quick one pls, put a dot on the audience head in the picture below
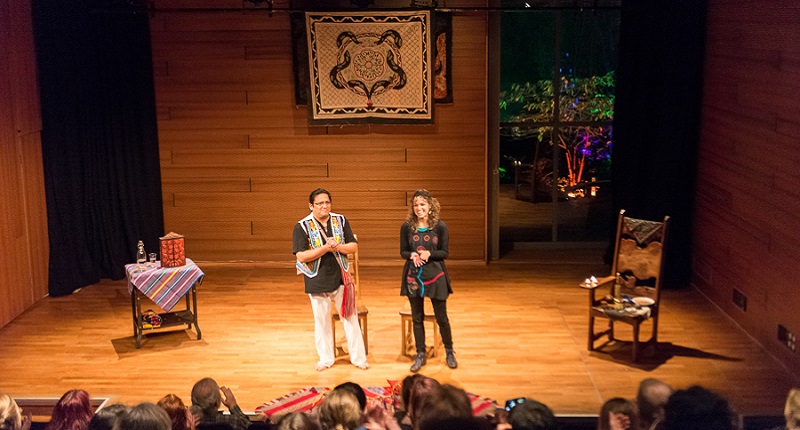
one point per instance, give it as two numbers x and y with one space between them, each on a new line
72 412
624 412
461 423
296 421
214 426
419 391
146 416
408 383
650 399
205 394
792 409
340 411
697 408
10 413
356 390
443 403
532 415
177 411
108 418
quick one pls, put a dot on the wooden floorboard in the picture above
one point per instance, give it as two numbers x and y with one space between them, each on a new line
519 328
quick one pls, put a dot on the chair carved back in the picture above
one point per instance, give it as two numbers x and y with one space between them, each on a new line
639 257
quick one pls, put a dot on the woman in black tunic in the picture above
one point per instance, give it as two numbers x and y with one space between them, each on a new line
424 246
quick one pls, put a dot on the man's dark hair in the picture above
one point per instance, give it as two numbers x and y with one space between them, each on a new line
145 416
108 417
697 408
356 390
650 399
532 415
443 402
317 192
205 394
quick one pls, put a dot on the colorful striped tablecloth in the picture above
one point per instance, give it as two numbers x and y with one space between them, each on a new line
163 285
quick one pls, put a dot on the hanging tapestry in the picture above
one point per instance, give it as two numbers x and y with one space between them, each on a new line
370 67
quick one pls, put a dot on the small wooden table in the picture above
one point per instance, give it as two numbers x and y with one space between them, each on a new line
165 286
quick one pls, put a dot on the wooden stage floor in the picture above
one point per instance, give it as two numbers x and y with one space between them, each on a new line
519 327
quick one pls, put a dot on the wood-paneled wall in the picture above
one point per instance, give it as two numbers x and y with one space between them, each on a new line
747 227
23 215
238 158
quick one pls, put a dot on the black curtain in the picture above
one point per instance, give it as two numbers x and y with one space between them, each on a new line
99 139
657 118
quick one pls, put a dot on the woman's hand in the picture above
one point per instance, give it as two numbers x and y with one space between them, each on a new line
377 418
192 420
424 256
617 421
417 259
27 419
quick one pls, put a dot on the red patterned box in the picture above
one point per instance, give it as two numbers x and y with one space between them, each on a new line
173 253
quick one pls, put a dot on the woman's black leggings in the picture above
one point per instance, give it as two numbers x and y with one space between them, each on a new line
418 315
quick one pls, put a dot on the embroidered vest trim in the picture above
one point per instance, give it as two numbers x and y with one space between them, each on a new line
315 240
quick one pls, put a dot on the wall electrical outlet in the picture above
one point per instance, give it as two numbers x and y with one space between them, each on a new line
740 300
787 338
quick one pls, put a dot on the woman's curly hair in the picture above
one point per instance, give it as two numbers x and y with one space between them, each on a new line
433 215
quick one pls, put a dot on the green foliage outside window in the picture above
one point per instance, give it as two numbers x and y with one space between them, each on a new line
586 100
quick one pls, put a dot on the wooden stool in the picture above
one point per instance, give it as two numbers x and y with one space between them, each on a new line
362 321
408 347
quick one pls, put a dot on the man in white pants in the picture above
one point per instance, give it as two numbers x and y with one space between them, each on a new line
318 241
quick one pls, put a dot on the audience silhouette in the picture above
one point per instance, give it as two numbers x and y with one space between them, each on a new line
422 404
650 399
698 408
72 412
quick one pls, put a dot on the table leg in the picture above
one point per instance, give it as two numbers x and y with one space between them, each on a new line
194 312
137 318
191 311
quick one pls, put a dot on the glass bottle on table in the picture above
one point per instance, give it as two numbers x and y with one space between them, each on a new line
141 255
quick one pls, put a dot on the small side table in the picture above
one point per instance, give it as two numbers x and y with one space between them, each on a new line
165 286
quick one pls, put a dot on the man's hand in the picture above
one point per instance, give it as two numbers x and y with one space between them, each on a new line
227 397
332 244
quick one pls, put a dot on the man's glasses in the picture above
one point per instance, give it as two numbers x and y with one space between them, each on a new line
321 204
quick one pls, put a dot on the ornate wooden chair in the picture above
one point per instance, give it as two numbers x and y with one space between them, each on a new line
634 288
362 311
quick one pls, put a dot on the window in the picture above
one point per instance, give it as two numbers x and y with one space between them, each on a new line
556 157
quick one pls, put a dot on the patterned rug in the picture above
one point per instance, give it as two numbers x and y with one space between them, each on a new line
308 400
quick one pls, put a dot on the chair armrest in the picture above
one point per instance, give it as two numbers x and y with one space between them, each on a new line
601 282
